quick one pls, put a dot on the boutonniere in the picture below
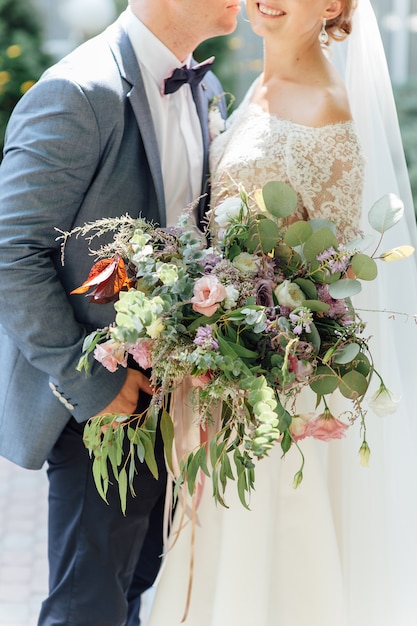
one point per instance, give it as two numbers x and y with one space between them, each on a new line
217 123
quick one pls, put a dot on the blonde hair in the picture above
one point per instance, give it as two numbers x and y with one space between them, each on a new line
340 27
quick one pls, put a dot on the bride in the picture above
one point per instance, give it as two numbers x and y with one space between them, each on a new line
340 550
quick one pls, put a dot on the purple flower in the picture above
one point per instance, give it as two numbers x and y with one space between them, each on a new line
302 321
337 309
263 292
204 338
326 254
210 262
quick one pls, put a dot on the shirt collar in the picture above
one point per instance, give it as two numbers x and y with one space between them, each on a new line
150 52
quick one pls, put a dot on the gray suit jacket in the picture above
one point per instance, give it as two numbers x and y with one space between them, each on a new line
80 146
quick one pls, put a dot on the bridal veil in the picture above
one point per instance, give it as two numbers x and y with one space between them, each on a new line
383 533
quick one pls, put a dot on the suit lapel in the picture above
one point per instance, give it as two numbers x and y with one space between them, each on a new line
129 70
201 99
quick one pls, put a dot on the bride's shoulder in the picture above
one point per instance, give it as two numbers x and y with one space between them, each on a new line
332 102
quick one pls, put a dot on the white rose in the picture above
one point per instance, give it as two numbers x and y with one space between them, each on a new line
227 210
289 295
246 263
383 402
231 297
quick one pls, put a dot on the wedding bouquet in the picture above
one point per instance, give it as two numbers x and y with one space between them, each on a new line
252 319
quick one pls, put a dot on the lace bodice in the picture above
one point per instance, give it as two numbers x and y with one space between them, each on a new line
323 165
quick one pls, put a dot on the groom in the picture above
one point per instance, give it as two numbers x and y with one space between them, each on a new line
95 137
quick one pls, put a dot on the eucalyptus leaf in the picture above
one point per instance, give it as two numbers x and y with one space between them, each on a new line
314 337
344 288
386 212
259 199
347 354
325 380
353 385
149 453
362 364
364 267
263 235
316 305
321 240
397 254
321 222
279 198
298 233
308 287
242 487
123 489
361 243
167 432
98 477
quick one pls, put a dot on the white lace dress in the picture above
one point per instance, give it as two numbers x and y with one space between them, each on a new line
323 165
315 556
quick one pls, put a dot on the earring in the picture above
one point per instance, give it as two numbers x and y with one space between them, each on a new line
323 35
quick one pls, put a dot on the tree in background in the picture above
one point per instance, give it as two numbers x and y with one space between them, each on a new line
22 60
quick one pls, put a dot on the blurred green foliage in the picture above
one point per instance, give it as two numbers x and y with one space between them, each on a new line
22 60
406 101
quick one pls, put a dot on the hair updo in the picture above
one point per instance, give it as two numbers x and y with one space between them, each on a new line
340 27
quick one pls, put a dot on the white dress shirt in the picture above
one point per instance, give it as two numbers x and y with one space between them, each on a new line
175 119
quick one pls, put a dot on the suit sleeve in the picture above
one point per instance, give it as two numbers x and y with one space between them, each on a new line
51 156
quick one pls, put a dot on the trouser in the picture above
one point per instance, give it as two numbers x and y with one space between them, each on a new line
100 560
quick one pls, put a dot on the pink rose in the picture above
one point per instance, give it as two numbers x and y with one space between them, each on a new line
208 293
326 427
141 353
110 354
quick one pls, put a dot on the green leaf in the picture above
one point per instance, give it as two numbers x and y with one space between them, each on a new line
314 337
287 257
98 478
123 489
286 441
263 235
386 212
321 240
344 288
242 487
353 385
316 305
325 380
308 287
347 354
364 267
397 254
362 364
361 243
167 432
321 222
149 453
298 233
193 466
279 198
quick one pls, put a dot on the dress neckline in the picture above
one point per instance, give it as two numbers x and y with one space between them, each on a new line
254 105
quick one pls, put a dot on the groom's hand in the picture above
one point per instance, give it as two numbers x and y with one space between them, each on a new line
126 401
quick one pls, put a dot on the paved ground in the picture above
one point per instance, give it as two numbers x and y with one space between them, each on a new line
23 538
23 567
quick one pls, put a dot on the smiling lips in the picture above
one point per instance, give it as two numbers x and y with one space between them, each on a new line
271 12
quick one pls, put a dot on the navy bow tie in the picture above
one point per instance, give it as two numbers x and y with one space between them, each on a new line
182 75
